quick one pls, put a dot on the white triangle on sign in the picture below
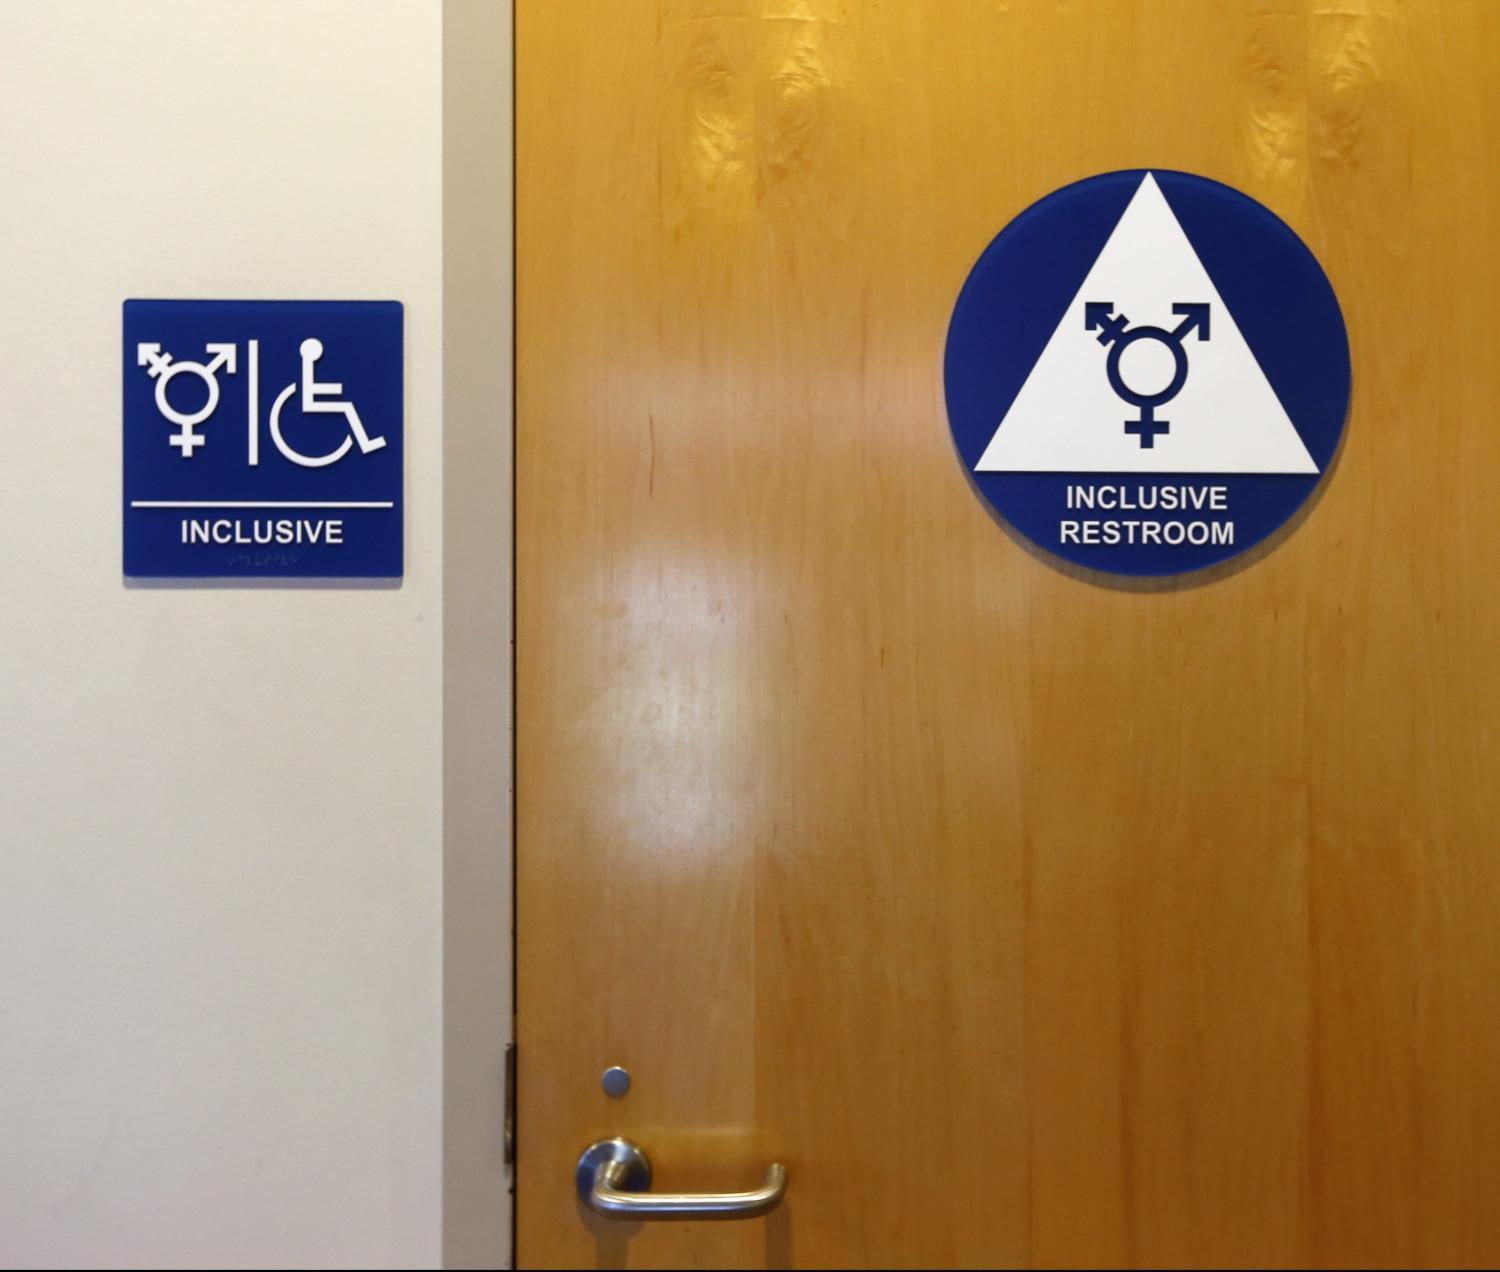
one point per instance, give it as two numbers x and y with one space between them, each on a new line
1226 418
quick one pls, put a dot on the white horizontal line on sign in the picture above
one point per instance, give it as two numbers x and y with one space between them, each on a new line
259 503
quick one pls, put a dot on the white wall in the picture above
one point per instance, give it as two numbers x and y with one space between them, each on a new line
220 807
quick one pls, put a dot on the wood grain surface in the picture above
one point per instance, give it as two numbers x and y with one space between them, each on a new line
1028 920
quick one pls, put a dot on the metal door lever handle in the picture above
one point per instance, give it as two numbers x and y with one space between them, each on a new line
614 1178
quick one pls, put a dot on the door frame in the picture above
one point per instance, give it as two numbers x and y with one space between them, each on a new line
478 439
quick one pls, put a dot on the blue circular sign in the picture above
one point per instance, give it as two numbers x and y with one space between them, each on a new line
1147 373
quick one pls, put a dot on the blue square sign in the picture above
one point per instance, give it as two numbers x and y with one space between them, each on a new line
263 438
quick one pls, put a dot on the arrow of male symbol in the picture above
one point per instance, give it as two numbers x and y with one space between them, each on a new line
1117 334
150 355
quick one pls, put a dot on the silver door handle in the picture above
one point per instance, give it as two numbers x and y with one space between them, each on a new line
614 1178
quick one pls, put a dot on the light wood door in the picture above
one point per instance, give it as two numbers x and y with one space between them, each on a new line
1028 920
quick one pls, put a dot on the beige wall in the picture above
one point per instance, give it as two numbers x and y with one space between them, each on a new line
221 808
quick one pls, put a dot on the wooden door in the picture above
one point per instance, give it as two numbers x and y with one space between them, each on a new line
1026 918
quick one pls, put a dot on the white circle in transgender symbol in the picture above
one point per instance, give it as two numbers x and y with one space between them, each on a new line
186 419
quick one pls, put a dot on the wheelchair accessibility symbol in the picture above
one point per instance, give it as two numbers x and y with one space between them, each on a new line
313 398
315 402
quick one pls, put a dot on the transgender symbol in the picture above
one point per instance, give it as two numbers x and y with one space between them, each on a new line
1116 332
161 368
